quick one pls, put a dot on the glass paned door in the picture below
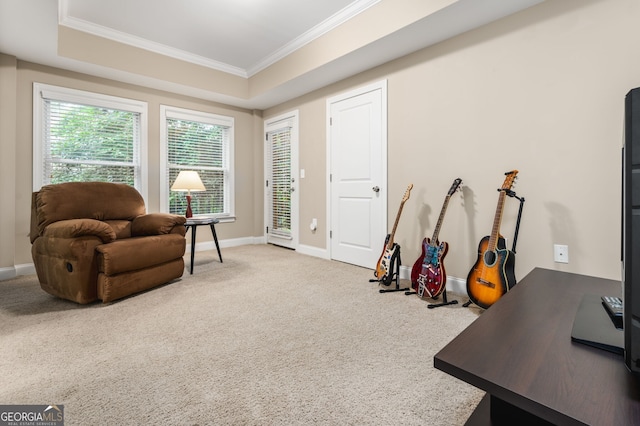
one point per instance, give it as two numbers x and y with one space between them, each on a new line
280 186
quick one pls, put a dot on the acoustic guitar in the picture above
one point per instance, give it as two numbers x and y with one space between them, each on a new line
492 275
386 262
428 276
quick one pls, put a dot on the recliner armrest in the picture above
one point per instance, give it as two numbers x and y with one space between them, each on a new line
156 224
74 228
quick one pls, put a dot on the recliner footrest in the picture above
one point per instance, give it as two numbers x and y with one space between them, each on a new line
131 254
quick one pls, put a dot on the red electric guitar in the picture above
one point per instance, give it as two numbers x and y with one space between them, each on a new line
492 275
428 277
386 263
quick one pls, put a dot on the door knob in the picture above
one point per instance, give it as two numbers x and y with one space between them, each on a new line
376 189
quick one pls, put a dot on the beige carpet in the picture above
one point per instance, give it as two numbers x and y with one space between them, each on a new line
269 337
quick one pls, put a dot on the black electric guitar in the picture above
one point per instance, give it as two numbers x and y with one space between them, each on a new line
492 275
428 277
386 263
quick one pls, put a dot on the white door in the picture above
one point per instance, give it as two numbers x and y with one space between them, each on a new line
358 177
281 198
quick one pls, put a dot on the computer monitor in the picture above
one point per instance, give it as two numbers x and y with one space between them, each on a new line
630 253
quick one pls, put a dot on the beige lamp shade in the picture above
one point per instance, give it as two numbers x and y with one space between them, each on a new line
188 180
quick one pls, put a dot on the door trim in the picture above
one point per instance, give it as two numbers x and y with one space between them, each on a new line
293 118
379 85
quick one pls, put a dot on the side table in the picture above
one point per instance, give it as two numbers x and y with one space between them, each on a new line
193 223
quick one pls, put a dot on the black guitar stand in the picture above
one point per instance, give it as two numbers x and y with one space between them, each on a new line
395 275
444 302
511 194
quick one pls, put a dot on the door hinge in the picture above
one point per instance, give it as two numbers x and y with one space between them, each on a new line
330 234
330 121
267 183
266 136
330 177
267 229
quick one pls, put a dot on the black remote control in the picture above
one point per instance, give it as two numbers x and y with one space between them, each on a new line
613 306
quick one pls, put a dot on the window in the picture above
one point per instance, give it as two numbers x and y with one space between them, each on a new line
193 140
81 136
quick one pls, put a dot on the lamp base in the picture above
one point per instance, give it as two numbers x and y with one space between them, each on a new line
189 213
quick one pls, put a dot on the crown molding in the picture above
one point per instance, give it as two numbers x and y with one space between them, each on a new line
319 30
139 42
334 21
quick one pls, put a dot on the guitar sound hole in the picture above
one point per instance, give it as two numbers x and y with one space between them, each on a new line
489 257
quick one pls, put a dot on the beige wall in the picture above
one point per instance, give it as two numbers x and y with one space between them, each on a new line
19 76
541 91
8 93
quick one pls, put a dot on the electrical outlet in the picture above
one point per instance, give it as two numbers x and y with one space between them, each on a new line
560 253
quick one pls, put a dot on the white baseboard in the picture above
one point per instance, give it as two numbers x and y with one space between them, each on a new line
302 249
25 269
405 273
7 273
454 285
15 271
211 245
457 286
313 251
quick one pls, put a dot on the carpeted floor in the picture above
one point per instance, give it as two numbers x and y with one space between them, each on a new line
269 337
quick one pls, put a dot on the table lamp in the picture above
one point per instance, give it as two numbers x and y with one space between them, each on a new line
188 180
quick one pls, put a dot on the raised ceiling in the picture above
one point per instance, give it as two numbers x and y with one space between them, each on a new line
237 37
241 37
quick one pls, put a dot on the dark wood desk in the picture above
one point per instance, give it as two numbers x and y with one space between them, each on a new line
193 223
521 353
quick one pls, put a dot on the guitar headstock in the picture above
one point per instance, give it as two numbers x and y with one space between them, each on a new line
454 186
407 193
509 180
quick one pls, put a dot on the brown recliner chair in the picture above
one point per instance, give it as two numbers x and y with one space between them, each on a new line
93 240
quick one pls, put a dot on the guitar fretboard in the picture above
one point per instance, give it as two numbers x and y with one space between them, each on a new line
395 226
405 197
495 231
436 231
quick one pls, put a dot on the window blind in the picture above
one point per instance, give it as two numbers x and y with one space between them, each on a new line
89 143
280 160
199 146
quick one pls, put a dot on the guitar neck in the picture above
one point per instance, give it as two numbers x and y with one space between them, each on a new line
495 231
434 238
395 226
405 197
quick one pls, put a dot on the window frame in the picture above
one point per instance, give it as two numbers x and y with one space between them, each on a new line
172 112
43 91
